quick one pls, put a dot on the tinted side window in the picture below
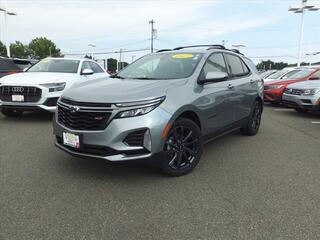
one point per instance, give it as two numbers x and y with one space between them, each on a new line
215 63
95 67
236 65
86 65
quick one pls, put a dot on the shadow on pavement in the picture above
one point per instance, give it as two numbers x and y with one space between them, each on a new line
29 117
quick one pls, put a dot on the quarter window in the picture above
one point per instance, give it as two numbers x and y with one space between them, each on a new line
215 63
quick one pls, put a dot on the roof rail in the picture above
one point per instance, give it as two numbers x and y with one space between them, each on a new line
205 45
235 51
164 50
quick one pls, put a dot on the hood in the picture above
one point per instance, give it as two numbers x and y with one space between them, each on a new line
283 82
306 84
114 90
32 78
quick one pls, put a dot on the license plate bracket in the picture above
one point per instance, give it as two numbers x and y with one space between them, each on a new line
71 140
17 98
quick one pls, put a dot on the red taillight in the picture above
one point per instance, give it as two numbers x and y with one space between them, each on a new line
12 72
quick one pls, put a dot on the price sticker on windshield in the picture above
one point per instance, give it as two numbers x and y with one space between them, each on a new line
183 55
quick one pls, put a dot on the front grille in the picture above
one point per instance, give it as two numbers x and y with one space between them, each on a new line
31 94
135 138
294 91
80 120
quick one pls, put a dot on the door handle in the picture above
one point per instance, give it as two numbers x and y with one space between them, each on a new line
230 86
252 81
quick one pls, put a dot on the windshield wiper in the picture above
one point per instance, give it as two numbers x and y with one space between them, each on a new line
116 76
147 78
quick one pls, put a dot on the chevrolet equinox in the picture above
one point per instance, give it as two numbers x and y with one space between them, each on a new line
164 106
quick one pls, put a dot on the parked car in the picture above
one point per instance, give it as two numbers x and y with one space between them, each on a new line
267 73
14 65
41 85
282 74
273 90
303 96
164 104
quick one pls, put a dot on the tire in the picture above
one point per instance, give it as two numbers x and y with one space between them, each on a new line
183 148
253 125
300 110
11 113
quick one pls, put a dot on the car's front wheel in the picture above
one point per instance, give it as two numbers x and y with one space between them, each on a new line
11 113
183 148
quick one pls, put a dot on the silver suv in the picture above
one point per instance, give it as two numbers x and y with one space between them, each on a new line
303 96
164 106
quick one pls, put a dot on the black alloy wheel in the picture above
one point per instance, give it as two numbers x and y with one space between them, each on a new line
254 122
183 148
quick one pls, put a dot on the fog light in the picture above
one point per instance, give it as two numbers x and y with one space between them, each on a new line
147 140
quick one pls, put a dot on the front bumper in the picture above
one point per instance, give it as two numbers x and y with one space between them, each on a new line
311 103
109 143
273 95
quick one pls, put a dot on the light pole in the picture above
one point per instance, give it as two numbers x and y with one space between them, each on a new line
304 7
153 31
92 47
6 12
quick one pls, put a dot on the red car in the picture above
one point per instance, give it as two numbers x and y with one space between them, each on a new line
273 90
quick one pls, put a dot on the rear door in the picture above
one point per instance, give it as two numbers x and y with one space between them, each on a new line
244 84
215 98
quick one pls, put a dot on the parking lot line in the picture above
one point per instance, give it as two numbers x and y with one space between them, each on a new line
282 109
315 122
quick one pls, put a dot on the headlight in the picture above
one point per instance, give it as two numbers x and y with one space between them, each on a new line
55 87
310 91
140 108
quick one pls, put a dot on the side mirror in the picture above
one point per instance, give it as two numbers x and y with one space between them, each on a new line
86 71
314 78
214 77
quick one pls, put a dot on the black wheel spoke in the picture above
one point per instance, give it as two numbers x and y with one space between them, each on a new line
190 151
191 142
189 135
179 160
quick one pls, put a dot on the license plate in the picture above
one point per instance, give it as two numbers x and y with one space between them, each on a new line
71 140
17 98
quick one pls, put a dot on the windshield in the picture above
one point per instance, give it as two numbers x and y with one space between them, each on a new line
278 74
162 66
291 73
302 74
56 65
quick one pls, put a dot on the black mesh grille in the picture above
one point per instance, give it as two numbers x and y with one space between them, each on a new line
83 120
31 94
135 138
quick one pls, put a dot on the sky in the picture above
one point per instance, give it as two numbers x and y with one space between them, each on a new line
265 27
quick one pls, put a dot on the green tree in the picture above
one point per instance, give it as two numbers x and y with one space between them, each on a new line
18 50
112 64
266 65
42 48
3 50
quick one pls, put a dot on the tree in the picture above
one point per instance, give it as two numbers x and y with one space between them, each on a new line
3 50
271 65
18 50
42 48
112 64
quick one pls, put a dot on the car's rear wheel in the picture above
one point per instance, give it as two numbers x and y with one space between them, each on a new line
11 113
253 125
183 148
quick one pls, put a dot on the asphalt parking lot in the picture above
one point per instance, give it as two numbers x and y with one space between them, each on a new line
263 187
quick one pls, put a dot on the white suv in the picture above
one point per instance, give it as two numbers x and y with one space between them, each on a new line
41 85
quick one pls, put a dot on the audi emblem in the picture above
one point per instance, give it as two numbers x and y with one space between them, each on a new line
74 109
17 89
